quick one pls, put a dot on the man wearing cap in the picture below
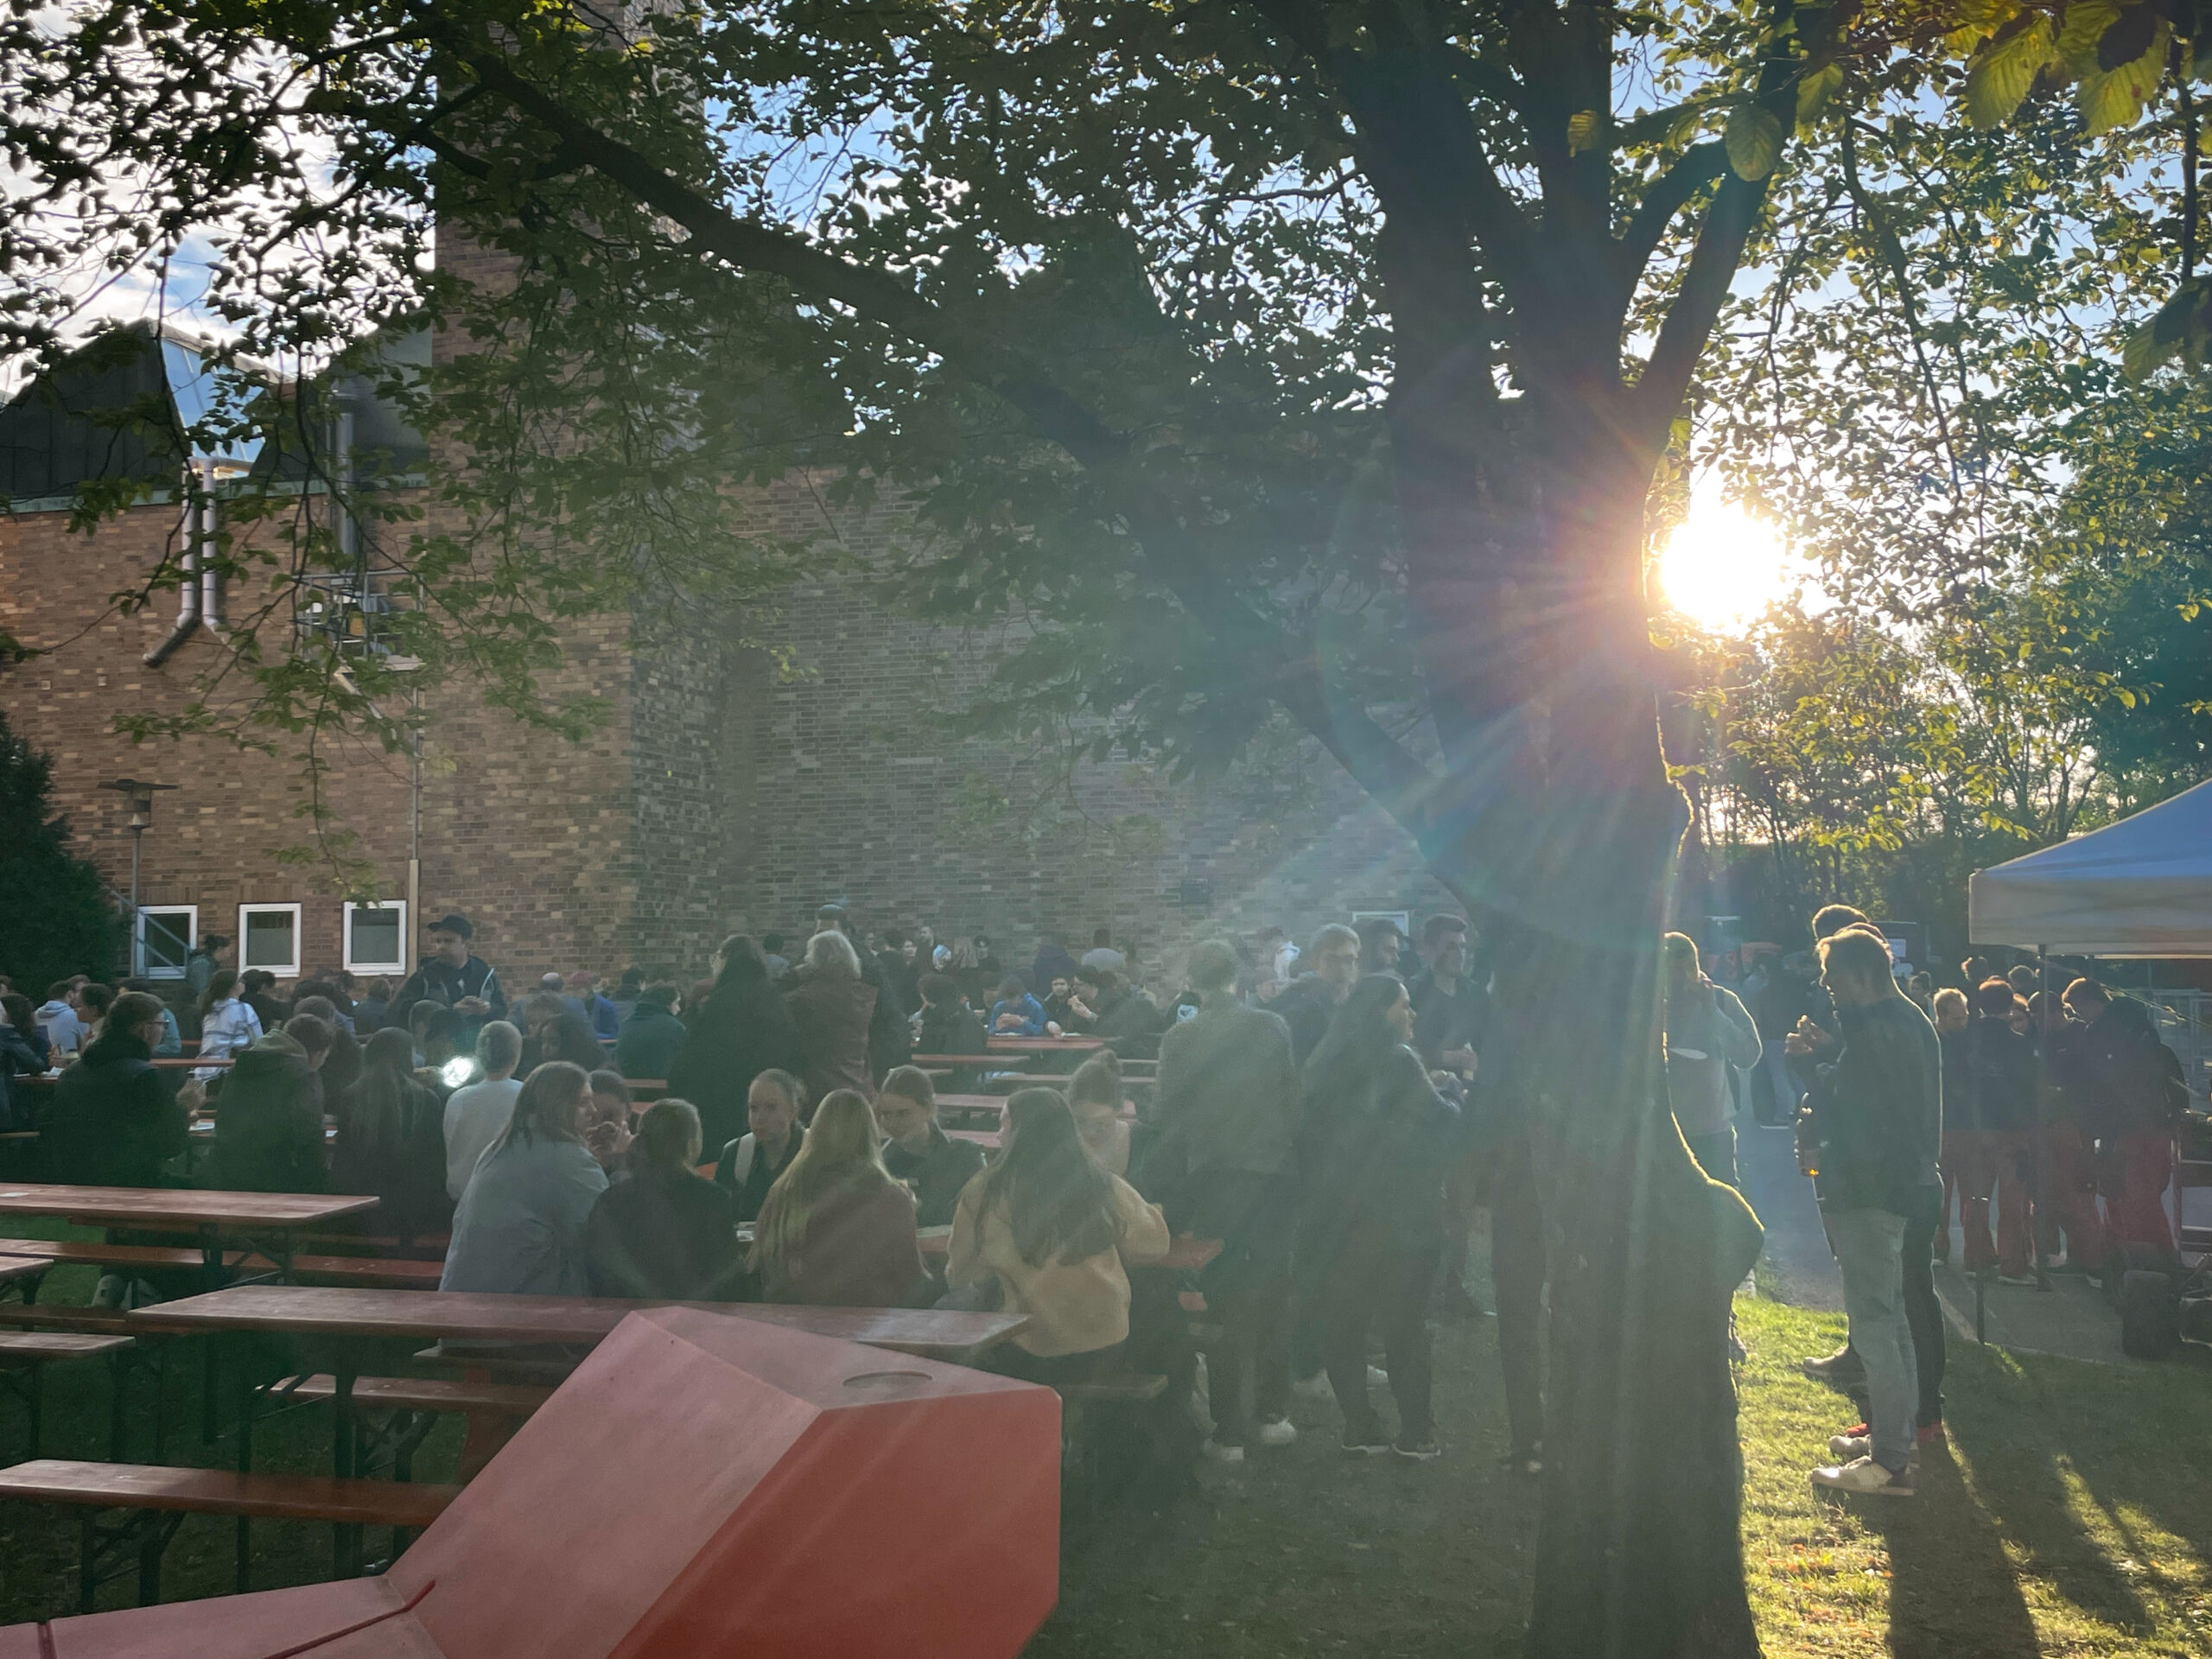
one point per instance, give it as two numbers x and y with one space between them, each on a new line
453 977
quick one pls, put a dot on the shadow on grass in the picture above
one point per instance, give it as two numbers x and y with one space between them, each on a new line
1952 1591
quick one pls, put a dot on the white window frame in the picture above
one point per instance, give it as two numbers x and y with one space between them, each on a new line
138 940
358 966
289 970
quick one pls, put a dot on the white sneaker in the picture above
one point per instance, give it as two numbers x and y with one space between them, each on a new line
1315 1387
1280 1432
1377 1377
1866 1477
1220 1453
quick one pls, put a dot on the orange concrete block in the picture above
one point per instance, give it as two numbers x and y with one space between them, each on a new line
709 1485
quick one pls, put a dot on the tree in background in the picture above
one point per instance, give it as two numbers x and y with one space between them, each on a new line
57 917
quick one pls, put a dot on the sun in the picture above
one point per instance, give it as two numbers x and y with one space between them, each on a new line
1722 566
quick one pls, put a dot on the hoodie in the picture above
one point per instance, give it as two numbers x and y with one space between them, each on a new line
269 1123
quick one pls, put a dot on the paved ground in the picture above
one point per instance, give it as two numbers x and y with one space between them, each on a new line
2072 1318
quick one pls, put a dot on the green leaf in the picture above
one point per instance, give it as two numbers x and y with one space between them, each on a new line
1582 131
2126 38
1814 90
2004 70
2145 351
1753 136
2115 97
2084 26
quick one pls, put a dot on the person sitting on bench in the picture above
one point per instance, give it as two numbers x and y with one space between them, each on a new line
1051 1227
520 1227
666 1230
916 1151
750 1164
268 1118
392 1143
836 1229
1095 1097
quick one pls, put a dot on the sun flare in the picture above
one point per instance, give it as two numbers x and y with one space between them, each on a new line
1722 566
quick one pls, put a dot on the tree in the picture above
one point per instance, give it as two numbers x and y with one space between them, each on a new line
1262 355
57 916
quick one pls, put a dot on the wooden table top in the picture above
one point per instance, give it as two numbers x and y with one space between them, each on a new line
1046 1044
165 1206
12 1268
472 1316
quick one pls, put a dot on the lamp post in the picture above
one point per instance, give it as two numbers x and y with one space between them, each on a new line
141 796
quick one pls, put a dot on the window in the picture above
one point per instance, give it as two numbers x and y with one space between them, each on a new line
166 936
269 938
376 939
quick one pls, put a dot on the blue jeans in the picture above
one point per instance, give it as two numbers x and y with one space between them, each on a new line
1869 1246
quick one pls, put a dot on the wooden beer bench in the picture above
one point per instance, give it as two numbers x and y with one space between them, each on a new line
157 1499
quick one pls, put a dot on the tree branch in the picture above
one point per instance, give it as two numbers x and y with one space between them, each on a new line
1383 766
1670 193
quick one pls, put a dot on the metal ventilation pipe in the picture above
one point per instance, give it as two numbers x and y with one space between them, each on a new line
211 578
192 588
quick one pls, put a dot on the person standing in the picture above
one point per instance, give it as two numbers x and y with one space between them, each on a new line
453 976
1874 1129
1311 1000
831 1006
2002 1090
743 1029
1227 1102
2132 1087
1708 1030
227 1025
1376 1141
1965 1161
200 967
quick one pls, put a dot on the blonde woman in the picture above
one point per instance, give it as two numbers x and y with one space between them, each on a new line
1052 1228
836 1229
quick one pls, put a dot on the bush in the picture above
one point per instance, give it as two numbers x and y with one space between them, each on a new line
56 916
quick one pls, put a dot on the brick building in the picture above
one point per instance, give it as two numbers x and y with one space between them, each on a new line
730 784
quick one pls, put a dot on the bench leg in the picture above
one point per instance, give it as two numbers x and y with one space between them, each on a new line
88 1555
153 1539
35 1400
118 1383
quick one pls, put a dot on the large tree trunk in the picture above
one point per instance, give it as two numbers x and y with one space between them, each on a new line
1556 820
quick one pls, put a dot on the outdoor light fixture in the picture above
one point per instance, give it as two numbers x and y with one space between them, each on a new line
141 795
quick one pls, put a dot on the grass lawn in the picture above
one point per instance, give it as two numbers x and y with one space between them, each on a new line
2071 1515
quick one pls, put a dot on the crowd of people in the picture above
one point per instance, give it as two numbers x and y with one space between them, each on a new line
1321 1110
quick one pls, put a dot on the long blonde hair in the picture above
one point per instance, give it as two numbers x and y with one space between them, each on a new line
840 1154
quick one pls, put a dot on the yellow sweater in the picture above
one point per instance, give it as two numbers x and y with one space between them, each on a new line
1073 1306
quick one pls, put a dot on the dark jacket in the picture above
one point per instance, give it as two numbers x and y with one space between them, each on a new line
890 1038
1377 1162
406 1175
1878 1110
1306 1007
651 1037
22 1054
664 1232
742 1029
952 1028
831 1014
760 1173
269 1123
438 981
859 1251
2128 1082
2001 1083
1131 1026
935 1177
1227 1091
1051 961
1962 1098
112 1121
1454 1019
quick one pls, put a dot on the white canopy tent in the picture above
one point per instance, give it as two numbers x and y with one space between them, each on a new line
2140 887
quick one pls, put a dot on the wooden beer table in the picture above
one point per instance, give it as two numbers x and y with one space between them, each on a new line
352 1321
